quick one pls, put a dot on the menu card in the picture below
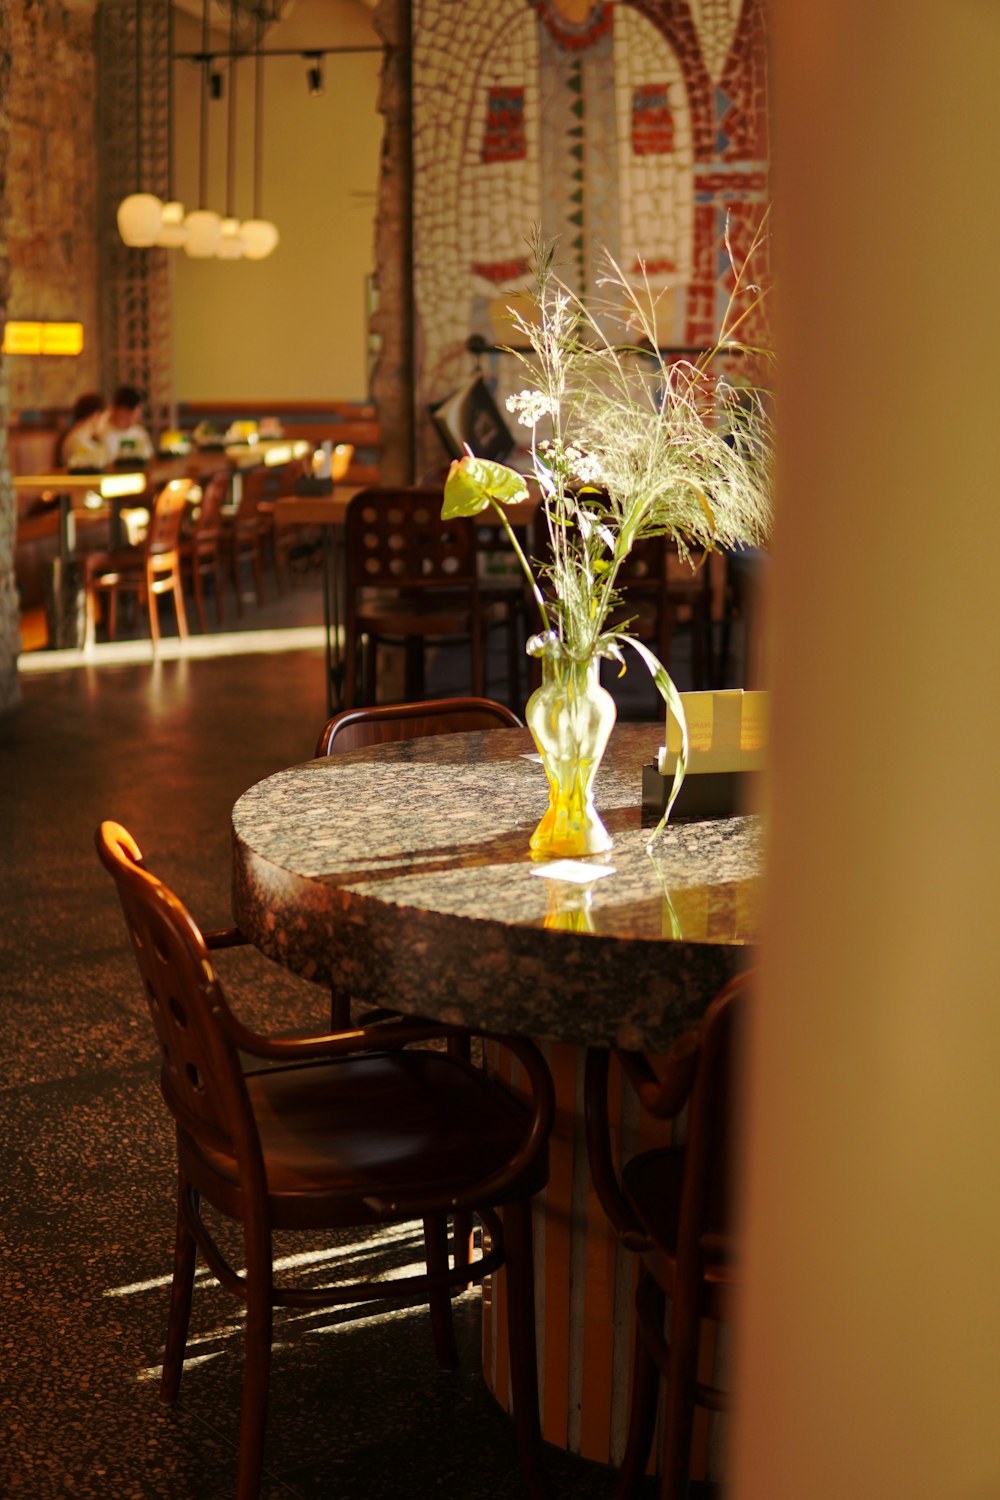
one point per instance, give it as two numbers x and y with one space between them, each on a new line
727 731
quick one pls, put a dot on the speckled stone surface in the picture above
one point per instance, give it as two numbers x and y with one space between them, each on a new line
402 875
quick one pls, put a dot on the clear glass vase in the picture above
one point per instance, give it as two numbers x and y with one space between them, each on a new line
571 717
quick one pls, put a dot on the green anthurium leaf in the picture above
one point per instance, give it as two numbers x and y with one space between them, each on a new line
672 698
473 483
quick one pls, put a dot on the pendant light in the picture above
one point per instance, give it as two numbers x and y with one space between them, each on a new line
259 235
140 215
173 231
204 227
231 241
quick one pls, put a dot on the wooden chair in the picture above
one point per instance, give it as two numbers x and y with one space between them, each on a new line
671 1206
147 571
356 727
275 540
411 578
243 536
349 1129
201 550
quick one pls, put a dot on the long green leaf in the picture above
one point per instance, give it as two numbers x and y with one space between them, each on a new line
672 698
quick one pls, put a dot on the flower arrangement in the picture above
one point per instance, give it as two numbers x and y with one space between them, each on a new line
626 443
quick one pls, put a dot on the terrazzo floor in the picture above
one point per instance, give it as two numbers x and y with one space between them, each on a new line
359 1409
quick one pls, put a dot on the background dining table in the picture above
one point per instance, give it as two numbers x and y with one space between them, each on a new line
400 876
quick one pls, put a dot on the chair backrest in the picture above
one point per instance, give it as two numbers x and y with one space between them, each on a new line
200 1072
709 1151
356 727
395 538
697 1073
256 486
214 495
165 521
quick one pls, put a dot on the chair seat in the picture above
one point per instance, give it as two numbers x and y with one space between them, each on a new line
652 1183
122 560
335 1133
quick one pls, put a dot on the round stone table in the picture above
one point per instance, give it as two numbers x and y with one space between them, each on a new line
400 875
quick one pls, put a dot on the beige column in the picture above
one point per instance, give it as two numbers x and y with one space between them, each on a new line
870 1363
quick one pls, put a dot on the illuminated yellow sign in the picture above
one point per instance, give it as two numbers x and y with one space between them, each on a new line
42 338
62 338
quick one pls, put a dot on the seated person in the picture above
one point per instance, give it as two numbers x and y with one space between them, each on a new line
124 436
81 447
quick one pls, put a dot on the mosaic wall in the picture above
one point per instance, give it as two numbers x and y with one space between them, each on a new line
638 128
51 193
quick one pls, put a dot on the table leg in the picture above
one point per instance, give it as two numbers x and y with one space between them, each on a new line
67 528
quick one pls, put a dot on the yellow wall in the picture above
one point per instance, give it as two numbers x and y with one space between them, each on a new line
293 326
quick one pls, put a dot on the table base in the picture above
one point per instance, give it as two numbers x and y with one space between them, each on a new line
584 1289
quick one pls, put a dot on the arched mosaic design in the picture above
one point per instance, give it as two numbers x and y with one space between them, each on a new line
636 127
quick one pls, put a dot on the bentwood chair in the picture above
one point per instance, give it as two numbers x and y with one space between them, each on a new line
147 571
201 550
273 537
672 1207
358 1128
379 724
411 578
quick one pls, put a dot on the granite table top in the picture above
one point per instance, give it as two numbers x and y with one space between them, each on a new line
401 875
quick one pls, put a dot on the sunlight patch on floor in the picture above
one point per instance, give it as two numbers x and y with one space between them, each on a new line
123 653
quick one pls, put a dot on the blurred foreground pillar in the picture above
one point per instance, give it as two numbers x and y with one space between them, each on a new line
870 1343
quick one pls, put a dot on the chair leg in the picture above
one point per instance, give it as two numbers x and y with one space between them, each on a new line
181 1288
369 663
645 1390
350 684
153 610
413 668
178 593
685 1339
198 589
217 577
237 571
257 1368
257 558
90 618
439 1298
519 1251
112 612
462 1241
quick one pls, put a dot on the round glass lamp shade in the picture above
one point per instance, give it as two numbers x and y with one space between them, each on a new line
204 230
173 230
231 245
139 218
259 238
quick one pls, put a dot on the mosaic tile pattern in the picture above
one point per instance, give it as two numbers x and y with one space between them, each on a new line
640 128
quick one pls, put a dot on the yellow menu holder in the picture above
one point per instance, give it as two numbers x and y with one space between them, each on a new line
727 744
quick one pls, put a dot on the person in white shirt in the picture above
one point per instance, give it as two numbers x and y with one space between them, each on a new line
123 433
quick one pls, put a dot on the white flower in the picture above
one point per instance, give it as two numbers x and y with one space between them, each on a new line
588 468
530 406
